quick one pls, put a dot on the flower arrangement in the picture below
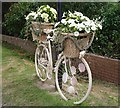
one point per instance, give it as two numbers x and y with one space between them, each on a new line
37 21
77 23
45 14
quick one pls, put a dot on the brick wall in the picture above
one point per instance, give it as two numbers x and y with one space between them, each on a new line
102 68
24 44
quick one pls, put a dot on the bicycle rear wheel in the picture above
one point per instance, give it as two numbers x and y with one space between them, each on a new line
76 79
42 62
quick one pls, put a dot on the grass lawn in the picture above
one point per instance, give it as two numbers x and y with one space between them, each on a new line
21 87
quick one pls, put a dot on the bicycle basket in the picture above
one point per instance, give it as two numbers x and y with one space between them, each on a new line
72 45
37 30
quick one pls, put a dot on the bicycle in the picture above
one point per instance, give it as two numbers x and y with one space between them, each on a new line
76 74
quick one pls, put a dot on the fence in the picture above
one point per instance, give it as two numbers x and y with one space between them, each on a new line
103 68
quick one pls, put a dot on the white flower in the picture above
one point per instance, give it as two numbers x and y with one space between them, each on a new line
76 22
35 16
85 18
93 28
55 16
46 19
80 25
80 29
71 14
64 21
44 9
63 14
73 25
96 38
38 13
98 23
71 21
87 23
41 7
87 30
78 13
30 14
48 6
44 15
76 33
27 18
39 10
100 26
53 11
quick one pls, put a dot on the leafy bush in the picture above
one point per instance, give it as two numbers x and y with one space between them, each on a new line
15 18
89 9
106 42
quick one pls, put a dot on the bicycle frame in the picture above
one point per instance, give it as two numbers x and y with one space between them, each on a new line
62 58
50 54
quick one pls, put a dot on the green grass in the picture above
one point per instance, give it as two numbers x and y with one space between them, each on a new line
19 82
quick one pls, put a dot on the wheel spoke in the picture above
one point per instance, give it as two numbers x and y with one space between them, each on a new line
41 62
76 80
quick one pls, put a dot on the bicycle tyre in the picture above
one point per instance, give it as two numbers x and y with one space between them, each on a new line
66 83
42 62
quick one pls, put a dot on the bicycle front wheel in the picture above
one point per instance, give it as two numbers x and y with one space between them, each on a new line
76 79
42 62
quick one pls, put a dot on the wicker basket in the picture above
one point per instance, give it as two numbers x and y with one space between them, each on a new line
39 27
73 46
46 26
70 50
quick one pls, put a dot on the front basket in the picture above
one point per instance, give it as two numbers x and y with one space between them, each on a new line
38 28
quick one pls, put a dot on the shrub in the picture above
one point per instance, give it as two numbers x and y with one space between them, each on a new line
15 18
106 42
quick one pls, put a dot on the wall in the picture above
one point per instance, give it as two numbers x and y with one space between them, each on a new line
24 44
102 68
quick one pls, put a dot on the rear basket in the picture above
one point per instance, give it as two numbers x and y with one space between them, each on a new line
72 46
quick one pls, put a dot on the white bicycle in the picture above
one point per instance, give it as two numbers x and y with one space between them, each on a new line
76 77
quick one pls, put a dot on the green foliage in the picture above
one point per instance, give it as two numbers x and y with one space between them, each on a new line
89 9
106 42
15 18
